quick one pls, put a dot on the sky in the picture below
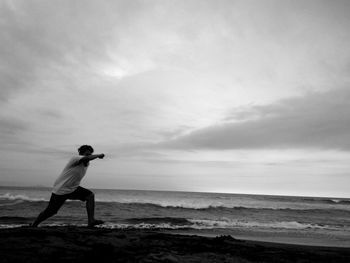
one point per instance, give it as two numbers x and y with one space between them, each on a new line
187 95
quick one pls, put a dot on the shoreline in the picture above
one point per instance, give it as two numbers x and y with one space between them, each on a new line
277 236
287 238
79 244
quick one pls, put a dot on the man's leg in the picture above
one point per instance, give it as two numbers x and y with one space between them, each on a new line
41 217
54 205
90 208
86 195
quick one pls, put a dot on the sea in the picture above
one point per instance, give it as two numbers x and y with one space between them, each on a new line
320 221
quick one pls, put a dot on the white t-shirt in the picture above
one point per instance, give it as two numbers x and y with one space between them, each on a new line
70 177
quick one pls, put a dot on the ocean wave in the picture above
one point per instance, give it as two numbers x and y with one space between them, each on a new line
334 204
2 226
329 204
206 224
335 201
224 209
160 220
176 223
209 224
182 223
11 197
340 202
188 224
15 202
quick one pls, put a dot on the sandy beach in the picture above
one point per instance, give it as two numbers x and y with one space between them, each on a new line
79 244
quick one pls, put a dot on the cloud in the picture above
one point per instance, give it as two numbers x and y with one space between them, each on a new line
10 134
40 40
316 120
75 43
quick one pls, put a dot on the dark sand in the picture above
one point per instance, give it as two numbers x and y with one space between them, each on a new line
78 244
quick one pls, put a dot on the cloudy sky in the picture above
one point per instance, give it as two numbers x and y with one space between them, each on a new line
193 95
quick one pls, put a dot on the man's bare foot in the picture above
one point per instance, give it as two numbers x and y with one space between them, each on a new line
95 223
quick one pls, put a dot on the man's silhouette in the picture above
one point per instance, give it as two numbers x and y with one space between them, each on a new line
67 187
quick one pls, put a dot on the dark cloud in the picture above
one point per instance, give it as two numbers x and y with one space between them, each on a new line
316 120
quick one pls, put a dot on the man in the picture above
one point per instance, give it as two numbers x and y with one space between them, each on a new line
67 187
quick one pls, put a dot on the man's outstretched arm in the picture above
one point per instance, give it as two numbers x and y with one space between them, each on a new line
91 157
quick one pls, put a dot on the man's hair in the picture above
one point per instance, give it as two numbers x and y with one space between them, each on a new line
84 148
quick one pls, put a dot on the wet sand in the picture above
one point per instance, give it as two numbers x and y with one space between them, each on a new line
79 244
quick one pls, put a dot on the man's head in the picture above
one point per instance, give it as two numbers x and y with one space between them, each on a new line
85 150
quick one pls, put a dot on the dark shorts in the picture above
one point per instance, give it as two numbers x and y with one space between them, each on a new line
56 201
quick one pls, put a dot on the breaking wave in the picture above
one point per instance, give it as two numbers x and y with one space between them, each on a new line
11 197
338 205
183 223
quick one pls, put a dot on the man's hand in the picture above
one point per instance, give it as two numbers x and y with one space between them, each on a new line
101 156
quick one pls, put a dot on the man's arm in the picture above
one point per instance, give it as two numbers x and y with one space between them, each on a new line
91 157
